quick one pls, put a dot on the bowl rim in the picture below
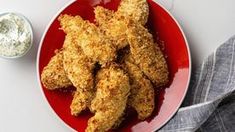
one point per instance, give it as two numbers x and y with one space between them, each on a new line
71 2
31 35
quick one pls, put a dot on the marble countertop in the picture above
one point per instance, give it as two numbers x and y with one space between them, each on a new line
207 24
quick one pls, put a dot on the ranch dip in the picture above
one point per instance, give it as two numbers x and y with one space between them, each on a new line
15 35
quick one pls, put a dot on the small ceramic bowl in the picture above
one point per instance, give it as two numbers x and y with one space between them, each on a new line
29 25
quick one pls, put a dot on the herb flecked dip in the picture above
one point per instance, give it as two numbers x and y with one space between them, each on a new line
15 35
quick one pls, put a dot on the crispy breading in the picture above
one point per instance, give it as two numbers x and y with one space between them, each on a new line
53 75
111 98
142 97
146 54
81 101
114 23
79 69
92 41
114 64
137 10
103 15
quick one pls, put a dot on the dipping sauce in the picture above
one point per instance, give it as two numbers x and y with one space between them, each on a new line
15 35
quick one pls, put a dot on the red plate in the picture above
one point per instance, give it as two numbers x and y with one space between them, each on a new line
165 28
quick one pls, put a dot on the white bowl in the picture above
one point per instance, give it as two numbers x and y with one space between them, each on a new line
31 35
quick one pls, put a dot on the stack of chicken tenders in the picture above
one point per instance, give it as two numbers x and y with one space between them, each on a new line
113 63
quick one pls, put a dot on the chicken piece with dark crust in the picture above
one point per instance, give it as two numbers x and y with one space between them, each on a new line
53 75
113 89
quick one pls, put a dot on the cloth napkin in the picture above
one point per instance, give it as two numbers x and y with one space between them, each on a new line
209 105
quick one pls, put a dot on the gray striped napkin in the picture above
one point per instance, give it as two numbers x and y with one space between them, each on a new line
210 102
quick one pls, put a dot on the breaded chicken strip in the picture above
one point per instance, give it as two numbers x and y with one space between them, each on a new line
146 54
111 98
79 69
53 75
92 41
114 23
142 91
137 10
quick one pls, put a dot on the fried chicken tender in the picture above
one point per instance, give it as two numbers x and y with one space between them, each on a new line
114 23
53 75
137 10
79 69
92 41
142 92
111 98
146 54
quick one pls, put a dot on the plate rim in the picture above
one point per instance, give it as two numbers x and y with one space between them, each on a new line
190 65
53 18
71 2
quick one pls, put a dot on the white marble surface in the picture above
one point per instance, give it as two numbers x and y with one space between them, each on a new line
207 24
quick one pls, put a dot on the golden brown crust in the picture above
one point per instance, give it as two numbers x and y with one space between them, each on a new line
53 75
146 54
81 101
79 70
111 98
91 40
103 15
137 10
107 90
114 23
142 91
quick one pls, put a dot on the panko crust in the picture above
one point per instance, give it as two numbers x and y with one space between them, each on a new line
107 89
114 24
79 69
142 97
147 55
111 98
53 75
136 10
90 38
